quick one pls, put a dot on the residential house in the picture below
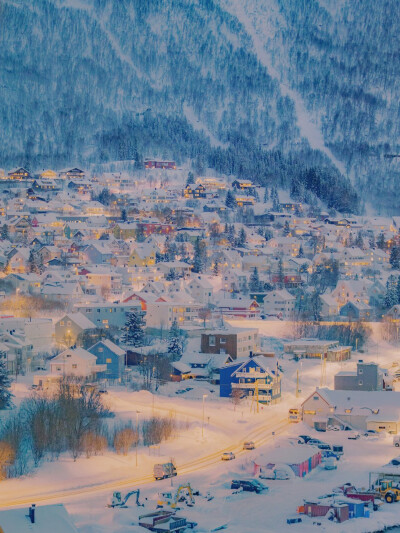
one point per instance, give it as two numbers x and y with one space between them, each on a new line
107 314
362 410
253 378
279 303
237 342
162 314
367 377
111 355
356 311
76 362
68 328
41 519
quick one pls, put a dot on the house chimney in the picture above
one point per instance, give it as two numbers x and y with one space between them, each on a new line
32 513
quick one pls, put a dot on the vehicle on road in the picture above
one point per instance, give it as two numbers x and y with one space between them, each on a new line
162 471
228 456
249 445
295 415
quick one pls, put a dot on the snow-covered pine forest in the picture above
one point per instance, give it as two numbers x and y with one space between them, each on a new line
104 80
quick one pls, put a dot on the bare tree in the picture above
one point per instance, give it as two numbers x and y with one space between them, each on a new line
125 439
7 457
236 396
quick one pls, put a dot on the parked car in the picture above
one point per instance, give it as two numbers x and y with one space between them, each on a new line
252 485
337 449
324 446
354 436
315 442
274 473
396 441
330 463
228 456
249 445
305 438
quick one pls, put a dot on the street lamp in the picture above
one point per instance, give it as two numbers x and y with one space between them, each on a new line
202 423
137 432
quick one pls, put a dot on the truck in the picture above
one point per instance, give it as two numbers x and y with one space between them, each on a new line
396 441
162 471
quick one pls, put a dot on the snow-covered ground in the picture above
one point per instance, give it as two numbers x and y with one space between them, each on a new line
86 485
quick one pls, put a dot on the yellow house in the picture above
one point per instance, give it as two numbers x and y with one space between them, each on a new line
142 257
48 174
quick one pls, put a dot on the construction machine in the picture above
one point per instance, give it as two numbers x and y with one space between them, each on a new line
389 490
120 501
184 494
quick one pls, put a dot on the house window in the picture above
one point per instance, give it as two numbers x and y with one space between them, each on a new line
68 355
360 382
101 350
222 340
309 412
211 340
316 398
360 370
69 323
62 323
58 368
108 360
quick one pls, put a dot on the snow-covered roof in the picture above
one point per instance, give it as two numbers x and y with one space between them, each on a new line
48 519
80 320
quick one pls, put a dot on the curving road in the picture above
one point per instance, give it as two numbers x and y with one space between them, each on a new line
261 435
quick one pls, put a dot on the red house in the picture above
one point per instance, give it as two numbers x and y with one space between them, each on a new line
153 163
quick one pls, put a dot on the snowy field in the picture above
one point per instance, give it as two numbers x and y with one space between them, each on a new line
85 486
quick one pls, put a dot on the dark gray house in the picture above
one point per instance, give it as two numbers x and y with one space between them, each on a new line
367 377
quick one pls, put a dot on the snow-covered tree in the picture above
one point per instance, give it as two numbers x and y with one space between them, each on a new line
254 281
5 384
230 201
175 341
133 330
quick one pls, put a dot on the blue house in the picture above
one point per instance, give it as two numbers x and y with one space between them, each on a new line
109 354
252 377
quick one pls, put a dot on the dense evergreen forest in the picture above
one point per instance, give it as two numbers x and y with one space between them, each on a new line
84 81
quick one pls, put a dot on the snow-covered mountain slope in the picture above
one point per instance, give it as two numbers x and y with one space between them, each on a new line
262 88
339 60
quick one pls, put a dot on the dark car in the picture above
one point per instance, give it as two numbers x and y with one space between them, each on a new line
248 485
305 438
324 446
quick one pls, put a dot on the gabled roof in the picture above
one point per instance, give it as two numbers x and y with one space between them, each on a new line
79 352
80 320
260 362
48 519
110 345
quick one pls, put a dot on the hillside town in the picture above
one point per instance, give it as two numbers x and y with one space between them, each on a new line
133 284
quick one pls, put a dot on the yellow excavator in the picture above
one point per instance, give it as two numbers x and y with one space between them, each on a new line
184 494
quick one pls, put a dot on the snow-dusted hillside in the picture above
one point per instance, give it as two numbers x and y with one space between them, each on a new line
266 88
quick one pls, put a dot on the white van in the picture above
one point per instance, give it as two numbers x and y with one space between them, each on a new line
161 471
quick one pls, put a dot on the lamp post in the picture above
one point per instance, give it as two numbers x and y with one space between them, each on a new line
137 433
202 423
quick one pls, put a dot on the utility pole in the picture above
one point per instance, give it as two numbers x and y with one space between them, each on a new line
137 433
202 422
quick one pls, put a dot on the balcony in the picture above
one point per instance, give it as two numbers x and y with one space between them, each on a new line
251 375
251 386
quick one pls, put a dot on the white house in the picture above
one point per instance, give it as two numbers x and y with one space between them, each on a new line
279 303
77 362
